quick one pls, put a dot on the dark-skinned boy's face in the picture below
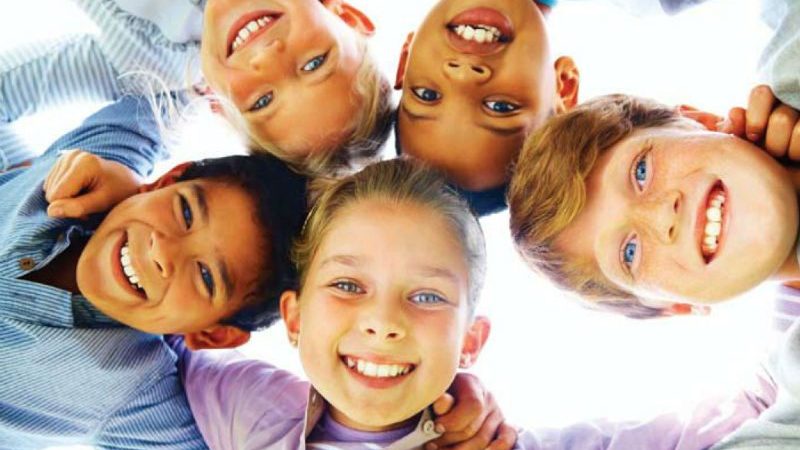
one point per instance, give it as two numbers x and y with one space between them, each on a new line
174 260
479 76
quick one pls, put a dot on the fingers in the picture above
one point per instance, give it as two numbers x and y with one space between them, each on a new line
55 173
759 108
485 434
735 123
469 410
794 143
506 438
780 130
73 179
79 207
443 404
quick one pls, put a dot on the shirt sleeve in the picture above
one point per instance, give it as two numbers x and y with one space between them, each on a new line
126 131
707 424
220 385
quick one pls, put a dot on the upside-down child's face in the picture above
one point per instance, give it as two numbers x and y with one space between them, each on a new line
685 214
282 62
174 260
382 317
468 100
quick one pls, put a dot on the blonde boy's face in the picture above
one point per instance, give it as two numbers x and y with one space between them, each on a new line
383 313
466 105
685 214
297 63
173 260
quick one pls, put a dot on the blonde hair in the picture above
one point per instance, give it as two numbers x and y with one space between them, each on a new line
369 129
548 191
398 181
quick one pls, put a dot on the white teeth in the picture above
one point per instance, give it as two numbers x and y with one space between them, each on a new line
127 267
374 370
250 28
713 227
478 33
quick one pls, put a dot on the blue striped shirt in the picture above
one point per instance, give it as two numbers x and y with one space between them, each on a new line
70 375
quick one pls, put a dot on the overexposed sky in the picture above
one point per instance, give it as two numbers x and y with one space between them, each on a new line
548 361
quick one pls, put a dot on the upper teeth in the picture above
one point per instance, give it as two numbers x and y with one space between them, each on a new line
478 33
127 267
713 226
249 28
371 369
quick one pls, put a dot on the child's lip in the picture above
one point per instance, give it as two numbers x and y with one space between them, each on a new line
480 16
244 20
116 265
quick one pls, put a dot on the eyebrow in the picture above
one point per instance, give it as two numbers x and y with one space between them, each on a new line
438 272
346 260
200 196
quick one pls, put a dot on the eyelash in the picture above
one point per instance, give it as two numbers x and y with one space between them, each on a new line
492 104
319 59
631 244
346 286
207 277
418 298
186 212
640 163
420 93
262 102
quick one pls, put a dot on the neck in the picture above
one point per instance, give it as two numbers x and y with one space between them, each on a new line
345 420
60 272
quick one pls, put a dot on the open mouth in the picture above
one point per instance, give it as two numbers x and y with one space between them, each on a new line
479 31
127 272
712 221
375 370
250 26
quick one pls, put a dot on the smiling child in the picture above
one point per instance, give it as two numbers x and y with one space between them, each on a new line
271 64
476 78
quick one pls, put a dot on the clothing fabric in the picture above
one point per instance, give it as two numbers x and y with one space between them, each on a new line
93 67
220 385
71 375
779 65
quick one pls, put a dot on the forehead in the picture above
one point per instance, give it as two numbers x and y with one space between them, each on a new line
394 238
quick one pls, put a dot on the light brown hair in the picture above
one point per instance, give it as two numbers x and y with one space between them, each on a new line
399 181
548 191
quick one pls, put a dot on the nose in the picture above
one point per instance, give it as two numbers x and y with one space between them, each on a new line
660 213
382 321
466 72
162 253
268 58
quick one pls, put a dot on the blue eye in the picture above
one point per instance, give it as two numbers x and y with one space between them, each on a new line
629 250
640 171
186 211
501 107
262 102
427 298
426 95
208 278
347 286
314 63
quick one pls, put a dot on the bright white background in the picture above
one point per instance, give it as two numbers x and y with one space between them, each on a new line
548 361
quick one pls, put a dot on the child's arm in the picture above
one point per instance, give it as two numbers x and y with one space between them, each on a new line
81 183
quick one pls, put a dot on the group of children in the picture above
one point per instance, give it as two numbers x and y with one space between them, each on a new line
375 273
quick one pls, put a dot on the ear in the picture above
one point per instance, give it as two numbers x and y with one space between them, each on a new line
167 179
402 63
216 336
709 120
290 311
474 340
352 16
568 80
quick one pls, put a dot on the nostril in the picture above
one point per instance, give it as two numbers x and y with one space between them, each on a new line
160 267
676 205
671 232
391 335
478 69
452 64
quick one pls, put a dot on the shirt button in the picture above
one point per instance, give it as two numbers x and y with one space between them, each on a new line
428 427
27 263
314 398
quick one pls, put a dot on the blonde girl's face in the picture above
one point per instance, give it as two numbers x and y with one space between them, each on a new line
281 62
383 313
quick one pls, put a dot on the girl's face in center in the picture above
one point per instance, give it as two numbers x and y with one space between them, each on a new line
383 313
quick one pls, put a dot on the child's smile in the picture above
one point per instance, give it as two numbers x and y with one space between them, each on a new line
377 371
249 27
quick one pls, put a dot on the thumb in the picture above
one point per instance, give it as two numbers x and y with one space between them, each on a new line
443 404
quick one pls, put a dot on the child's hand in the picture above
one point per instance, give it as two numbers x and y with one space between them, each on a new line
767 121
81 183
470 418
